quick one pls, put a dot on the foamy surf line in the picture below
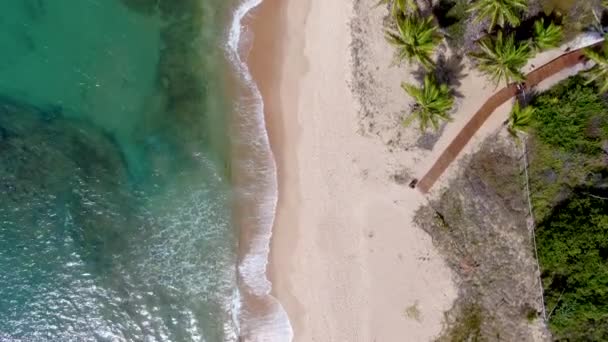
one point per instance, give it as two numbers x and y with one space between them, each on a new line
269 323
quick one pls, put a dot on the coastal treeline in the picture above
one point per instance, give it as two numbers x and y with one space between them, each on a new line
568 151
479 223
497 37
564 132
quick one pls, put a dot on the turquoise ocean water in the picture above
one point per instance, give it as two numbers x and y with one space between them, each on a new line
115 219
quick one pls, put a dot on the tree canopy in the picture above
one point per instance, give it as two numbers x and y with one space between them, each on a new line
415 39
502 58
546 36
433 103
573 252
499 12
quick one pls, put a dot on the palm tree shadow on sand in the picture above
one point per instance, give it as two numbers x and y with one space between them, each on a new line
450 71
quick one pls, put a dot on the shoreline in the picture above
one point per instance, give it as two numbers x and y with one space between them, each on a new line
346 260
257 315
265 60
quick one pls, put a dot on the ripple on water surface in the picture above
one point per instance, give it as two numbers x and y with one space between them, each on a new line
114 201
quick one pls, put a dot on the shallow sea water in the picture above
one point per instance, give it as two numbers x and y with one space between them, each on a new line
115 219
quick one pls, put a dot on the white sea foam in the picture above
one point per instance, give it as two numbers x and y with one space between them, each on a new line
270 324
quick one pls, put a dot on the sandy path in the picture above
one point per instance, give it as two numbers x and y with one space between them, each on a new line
346 259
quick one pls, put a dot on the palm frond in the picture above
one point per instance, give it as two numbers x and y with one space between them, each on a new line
520 119
599 72
399 8
415 39
433 103
499 12
547 36
502 58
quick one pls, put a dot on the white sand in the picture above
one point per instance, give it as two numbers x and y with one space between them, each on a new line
347 261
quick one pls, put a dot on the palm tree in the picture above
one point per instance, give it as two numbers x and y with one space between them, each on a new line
499 12
400 7
546 37
502 58
433 103
520 118
415 39
599 72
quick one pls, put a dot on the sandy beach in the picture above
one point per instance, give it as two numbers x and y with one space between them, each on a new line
347 262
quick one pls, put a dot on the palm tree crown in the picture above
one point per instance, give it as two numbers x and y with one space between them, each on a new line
599 72
400 7
415 39
433 103
520 118
546 37
502 58
499 12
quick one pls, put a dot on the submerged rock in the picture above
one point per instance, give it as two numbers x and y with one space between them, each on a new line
58 173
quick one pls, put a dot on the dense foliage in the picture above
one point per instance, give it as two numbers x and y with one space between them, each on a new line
566 141
573 252
572 117
568 177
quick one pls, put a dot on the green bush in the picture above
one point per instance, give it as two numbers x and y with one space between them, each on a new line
566 136
573 252
567 165
572 117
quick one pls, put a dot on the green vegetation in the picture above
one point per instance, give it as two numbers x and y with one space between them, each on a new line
499 12
546 36
571 117
433 103
400 7
573 252
453 20
512 35
599 72
502 58
415 39
519 120
568 130
568 177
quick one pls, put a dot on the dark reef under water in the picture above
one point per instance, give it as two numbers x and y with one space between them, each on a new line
115 219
